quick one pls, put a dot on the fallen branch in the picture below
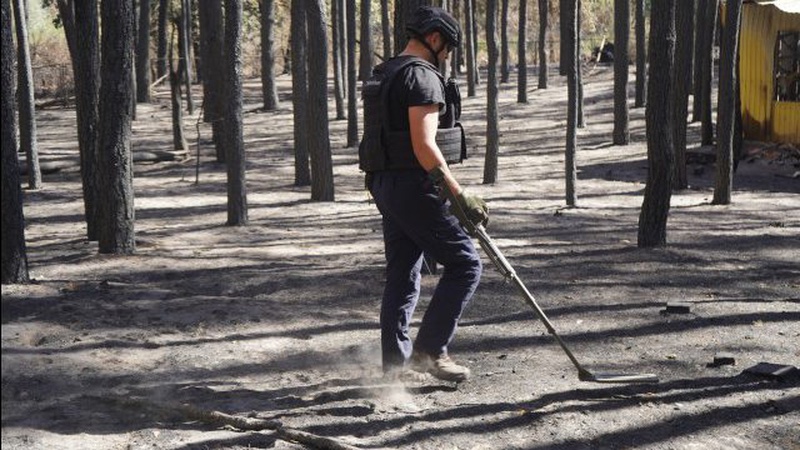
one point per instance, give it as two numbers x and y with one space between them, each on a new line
220 419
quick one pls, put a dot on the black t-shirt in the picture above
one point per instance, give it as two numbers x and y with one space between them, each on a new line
416 85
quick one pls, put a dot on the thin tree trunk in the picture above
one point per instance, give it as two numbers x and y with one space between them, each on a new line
684 28
706 125
492 116
570 63
212 31
468 18
178 136
522 51
660 154
352 75
186 43
143 53
85 54
319 147
543 35
27 110
699 63
14 262
302 174
367 47
161 56
269 90
338 69
622 19
386 27
641 56
726 109
235 155
504 64
457 52
579 66
474 23
115 164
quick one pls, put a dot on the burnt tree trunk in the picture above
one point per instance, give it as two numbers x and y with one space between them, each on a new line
543 35
27 111
352 75
161 46
622 20
570 63
386 28
319 147
710 27
212 31
492 116
660 154
641 56
699 55
469 46
338 51
269 91
186 44
727 106
234 139
302 174
178 135
504 60
14 253
366 45
115 162
522 51
684 29
143 53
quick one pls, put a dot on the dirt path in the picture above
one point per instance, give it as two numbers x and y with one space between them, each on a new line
278 320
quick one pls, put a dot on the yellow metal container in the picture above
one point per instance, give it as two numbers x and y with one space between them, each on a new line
763 117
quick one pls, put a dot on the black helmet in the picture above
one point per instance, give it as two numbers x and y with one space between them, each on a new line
427 19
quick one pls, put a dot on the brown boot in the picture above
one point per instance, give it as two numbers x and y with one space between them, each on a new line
441 367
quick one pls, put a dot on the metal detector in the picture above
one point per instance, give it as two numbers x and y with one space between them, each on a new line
502 264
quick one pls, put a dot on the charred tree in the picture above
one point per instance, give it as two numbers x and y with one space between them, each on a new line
366 44
641 56
143 53
269 91
212 31
543 35
161 45
697 78
660 153
14 253
234 139
684 30
522 51
727 105
302 174
186 43
622 20
352 75
178 135
707 70
319 147
338 50
28 140
570 62
386 29
504 60
115 162
470 47
492 116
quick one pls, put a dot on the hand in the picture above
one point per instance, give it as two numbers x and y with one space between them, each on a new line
470 210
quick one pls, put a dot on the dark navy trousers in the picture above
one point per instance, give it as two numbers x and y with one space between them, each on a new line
416 221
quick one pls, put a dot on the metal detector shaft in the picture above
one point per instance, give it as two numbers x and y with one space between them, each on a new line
502 264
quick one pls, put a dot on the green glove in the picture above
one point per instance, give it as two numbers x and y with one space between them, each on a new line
470 210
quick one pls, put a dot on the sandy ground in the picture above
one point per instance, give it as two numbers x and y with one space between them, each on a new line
278 319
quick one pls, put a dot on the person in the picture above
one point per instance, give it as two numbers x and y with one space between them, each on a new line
416 219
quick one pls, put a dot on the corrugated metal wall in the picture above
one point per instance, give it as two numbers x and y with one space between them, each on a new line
762 117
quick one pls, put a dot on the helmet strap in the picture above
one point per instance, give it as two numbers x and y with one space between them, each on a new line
425 43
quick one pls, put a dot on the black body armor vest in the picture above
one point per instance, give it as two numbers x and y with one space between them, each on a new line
382 148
